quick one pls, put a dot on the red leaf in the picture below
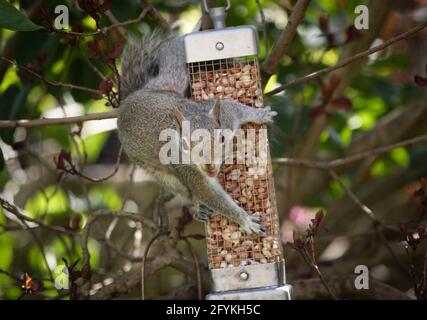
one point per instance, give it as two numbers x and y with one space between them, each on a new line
116 52
89 6
44 10
95 47
106 86
421 81
319 218
342 103
351 34
105 6
27 285
316 111
331 40
78 27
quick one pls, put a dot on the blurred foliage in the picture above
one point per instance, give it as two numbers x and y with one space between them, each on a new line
374 94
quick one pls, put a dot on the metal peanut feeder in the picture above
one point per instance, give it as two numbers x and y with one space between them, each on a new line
223 64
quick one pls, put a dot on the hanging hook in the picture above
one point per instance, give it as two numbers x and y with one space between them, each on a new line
217 14
207 9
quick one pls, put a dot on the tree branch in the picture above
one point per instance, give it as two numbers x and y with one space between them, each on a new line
23 217
327 165
57 121
270 65
264 26
53 83
308 289
116 24
364 54
155 15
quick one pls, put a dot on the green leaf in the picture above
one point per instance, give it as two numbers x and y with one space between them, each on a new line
6 252
12 19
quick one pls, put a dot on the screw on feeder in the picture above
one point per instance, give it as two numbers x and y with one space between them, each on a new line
244 275
219 46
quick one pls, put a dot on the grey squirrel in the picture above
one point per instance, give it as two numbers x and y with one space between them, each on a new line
154 86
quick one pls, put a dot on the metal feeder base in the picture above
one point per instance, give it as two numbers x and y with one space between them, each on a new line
269 293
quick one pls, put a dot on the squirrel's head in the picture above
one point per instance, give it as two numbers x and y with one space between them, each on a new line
202 140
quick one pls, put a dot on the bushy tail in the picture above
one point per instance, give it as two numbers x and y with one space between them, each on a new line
140 63
157 61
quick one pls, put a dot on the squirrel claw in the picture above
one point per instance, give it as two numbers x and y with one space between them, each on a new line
202 214
251 226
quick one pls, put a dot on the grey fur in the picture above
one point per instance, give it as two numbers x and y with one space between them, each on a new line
154 83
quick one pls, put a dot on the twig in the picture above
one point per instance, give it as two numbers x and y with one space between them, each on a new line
10 47
97 180
122 31
424 281
113 224
41 248
326 165
57 121
365 209
360 55
24 220
383 239
155 15
308 289
53 83
412 270
315 267
105 30
107 214
264 26
280 49
95 69
144 260
21 216
11 275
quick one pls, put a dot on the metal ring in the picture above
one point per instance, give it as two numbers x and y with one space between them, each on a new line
205 5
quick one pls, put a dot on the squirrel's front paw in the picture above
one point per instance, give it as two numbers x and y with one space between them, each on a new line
250 225
267 115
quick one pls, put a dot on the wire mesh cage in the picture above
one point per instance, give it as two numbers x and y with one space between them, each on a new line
223 65
250 184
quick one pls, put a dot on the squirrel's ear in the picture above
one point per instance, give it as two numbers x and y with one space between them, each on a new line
216 112
179 117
